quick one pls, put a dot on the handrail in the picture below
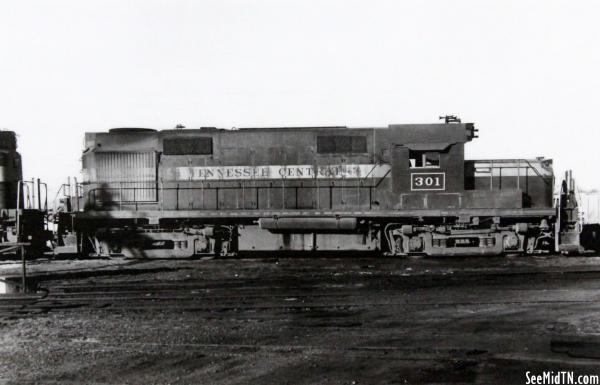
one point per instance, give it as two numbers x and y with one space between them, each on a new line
56 196
537 172
21 186
157 189
66 194
118 202
493 165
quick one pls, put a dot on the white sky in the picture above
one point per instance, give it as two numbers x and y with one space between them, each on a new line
526 72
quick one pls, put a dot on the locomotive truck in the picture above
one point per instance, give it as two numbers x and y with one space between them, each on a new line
398 190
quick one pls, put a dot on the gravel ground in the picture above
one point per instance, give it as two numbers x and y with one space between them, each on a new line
302 321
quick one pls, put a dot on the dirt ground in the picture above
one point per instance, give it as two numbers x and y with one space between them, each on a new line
302 321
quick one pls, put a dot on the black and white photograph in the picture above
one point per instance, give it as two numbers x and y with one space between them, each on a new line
299 192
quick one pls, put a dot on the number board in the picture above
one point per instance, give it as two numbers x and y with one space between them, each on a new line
428 181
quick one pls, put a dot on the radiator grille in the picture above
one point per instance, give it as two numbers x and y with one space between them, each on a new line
126 177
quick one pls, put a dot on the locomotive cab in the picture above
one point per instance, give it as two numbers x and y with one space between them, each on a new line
428 165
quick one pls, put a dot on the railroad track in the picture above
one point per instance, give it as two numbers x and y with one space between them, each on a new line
288 293
412 321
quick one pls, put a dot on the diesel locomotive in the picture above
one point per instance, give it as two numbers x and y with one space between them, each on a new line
397 190
22 214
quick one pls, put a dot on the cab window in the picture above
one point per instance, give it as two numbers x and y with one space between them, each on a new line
424 159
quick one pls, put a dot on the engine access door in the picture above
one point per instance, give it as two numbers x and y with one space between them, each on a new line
400 169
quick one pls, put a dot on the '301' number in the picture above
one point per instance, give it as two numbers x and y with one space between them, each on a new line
430 181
